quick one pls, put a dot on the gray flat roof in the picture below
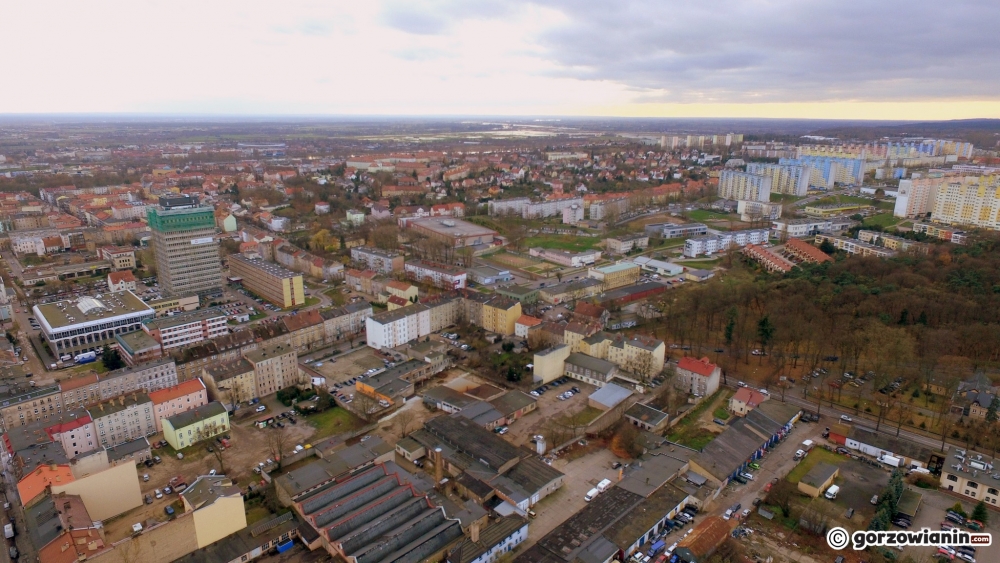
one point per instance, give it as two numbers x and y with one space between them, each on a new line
452 227
90 310
192 416
610 395
267 267
819 474
589 362
184 318
136 341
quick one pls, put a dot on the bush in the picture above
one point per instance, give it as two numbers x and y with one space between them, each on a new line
958 508
981 513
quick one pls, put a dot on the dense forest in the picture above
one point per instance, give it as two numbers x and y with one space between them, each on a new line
934 316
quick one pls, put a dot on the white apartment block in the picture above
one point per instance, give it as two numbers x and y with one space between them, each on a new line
599 210
855 246
565 257
758 210
27 245
785 178
710 244
972 201
395 328
743 186
572 214
528 209
378 260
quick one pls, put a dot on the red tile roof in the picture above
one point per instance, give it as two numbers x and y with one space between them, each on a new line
701 367
77 382
528 320
750 397
119 277
177 391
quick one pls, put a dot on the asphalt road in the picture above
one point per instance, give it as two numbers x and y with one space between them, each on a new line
830 415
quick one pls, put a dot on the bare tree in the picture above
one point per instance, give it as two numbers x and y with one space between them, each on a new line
220 457
365 406
277 444
404 419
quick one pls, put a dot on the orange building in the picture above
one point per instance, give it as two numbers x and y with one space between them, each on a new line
35 482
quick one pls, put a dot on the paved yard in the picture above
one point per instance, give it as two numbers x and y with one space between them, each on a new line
582 474
931 513
550 408
349 365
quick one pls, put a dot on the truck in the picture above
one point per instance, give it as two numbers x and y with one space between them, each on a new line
831 493
591 495
85 358
8 530
891 460
807 445
604 485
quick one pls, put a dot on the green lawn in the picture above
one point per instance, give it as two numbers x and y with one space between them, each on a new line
837 199
310 301
708 215
694 437
721 413
333 421
882 219
817 455
672 243
784 198
257 316
563 242
701 264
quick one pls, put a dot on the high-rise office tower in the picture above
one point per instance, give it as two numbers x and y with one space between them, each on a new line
187 253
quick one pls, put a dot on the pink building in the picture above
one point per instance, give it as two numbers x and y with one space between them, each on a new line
177 399
77 435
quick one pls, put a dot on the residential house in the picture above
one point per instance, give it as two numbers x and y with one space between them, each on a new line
177 399
745 400
195 425
697 377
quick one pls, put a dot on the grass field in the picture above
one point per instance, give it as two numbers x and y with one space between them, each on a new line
722 413
708 215
817 455
838 199
701 264
691 436
333 421
563 242
784 198
882 219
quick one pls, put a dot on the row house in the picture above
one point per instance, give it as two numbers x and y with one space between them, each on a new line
124 419
177 399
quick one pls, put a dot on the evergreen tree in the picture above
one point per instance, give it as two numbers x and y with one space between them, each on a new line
980 512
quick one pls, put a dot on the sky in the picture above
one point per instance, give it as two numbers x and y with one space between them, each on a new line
848 59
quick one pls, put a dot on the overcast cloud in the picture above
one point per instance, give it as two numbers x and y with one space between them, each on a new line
624 57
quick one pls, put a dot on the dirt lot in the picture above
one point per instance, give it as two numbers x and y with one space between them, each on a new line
550 408
349 365
249 446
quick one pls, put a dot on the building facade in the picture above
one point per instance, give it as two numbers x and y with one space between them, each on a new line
88 324
381 261
177 399
785 178
185 247
187 328
124 419
744 186
698 377
277 285
275 367
195 425
437 275
615 275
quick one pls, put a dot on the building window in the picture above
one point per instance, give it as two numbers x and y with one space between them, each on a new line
952 478
973 485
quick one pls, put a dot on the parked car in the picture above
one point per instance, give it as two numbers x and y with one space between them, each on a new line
261 408
169 510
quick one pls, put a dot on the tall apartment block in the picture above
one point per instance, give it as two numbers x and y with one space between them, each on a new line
744 186
187 253
785 179
272 282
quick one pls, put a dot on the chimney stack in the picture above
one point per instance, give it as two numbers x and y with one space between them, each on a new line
474 531
438 469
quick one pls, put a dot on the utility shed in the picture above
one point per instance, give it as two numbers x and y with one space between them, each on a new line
818 479
909 503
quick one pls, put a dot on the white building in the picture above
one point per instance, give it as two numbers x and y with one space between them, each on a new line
88 323
528 209
600 210
785 178
566 258
658 267
376 259
438 275
572 214
801 228
187 328
395 328
710 244
758 210
744 186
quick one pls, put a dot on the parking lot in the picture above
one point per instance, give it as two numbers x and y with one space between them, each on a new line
930 514
550 411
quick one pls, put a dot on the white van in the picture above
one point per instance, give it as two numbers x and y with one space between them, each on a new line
831 493
591 495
